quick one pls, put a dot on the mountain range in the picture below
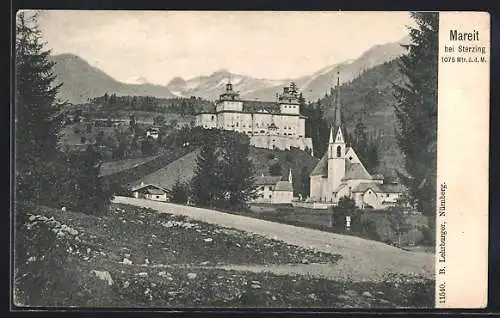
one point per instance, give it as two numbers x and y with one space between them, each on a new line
82 80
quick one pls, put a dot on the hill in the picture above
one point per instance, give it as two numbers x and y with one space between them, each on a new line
82 81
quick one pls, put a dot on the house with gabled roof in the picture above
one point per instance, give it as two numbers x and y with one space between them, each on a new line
149 191
271 189
340 173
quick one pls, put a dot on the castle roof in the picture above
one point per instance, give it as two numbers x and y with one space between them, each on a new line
253 106
284 186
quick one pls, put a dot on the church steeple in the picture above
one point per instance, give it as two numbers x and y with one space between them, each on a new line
338 116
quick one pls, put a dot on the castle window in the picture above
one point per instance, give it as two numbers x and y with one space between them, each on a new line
339 149
213 117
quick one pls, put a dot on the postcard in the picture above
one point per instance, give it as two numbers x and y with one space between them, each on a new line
170 160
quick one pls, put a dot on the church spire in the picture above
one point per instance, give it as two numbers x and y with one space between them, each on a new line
338 118
290 176
330 140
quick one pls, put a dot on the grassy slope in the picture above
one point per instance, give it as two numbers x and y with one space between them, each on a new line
67 247
184 167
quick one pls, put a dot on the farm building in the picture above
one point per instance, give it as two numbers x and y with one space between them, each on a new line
150 192
271 189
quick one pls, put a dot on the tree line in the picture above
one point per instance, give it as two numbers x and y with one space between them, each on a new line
178 105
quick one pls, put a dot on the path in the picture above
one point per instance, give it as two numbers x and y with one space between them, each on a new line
361 259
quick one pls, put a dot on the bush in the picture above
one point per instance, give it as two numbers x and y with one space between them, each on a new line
270 156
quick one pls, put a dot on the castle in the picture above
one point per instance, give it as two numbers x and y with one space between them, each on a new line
271 125
340 173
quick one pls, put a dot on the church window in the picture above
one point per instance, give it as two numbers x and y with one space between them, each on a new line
213 117
270 196
350 157
237 124
339 149
387 195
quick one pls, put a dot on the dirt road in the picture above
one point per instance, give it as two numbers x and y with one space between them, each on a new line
361 259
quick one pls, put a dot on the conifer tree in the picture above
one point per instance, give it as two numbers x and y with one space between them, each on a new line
416 111
238 181
205 183
179 193
37 113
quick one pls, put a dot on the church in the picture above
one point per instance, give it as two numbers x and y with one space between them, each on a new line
340 173
270 125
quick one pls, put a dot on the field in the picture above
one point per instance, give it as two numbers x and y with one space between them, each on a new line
320 219
135 257
111 167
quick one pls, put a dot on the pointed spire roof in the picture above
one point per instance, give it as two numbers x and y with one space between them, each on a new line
290 176
338 116
331 140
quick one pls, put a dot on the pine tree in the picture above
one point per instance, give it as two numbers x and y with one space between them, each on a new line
205 183
179 193
37 113
416 111
238 181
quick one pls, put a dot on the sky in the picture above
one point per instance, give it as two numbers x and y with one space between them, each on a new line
161 45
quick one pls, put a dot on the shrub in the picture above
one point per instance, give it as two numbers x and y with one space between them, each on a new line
270 156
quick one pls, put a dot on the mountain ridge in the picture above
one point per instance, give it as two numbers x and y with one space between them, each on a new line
82 80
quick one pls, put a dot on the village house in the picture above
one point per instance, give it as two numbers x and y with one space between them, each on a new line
270 125
271 189
150 192
340 173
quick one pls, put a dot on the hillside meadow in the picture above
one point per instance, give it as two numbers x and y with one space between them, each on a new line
135 257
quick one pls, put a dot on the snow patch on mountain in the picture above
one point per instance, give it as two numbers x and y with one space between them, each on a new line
139 80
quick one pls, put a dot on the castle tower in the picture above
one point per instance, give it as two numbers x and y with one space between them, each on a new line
229 100
336 151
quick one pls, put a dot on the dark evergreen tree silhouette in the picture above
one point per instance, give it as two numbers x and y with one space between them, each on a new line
416 111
